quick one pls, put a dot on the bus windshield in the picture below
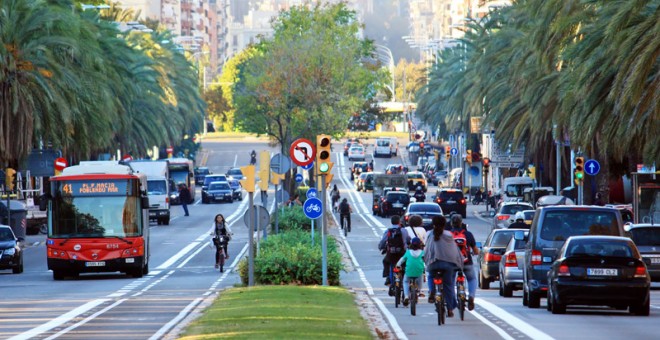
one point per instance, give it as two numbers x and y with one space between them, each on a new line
95 216
516 190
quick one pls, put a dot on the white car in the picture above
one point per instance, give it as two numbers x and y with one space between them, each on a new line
356 153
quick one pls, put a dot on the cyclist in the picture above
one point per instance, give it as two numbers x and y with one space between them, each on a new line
220 227
441 253
414 260
415 228
334 194
393 244
468 246
345 211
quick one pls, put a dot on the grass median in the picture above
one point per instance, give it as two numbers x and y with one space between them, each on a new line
281 312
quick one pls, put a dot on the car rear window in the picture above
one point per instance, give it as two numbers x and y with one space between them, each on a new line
219 186
501 238
424 208
396 196
455 195
513 208
529 215
646 236
209 179
415 176
560 225
600 247
235 172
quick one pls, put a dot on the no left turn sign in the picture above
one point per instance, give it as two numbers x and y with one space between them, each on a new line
302 152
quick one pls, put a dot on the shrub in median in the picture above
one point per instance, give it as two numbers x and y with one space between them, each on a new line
292 218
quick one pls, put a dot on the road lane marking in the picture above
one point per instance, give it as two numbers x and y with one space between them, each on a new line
495 327
178 318
520 325
84 321
60 320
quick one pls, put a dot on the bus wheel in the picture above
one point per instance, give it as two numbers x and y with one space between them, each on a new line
136 273
145 269
166 221
58 275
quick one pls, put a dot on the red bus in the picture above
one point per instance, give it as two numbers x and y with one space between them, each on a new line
98 220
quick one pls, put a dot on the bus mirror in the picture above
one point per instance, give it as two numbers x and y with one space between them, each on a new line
43 201
145 202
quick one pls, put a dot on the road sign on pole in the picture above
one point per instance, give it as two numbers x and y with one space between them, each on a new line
454 151
313 208
308 166
591 167
299 178
312 193
302 152
280 164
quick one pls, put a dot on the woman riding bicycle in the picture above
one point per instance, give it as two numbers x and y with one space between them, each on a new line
221 228
441 253
334 194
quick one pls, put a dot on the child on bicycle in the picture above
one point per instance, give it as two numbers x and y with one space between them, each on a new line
414 260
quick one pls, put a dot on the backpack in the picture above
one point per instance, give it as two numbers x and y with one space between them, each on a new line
461 242
344 208
395 241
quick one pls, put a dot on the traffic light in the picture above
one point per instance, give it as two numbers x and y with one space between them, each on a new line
323 154
486 165
468 156
10 179
248 178
421 148
579 168
264 170
448 152
276 178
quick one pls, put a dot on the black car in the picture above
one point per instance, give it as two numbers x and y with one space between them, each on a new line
647 239
491 254
11 256
424 209
451 200
600 271
200 173
235 173
218 191
236 188
213 178
394 203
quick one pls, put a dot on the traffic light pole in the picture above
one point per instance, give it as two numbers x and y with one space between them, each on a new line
324 243
251 239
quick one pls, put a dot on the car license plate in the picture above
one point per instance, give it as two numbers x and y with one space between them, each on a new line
451 202
655 260
397 205
602 272
95 264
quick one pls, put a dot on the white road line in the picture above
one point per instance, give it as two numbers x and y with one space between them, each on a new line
235 159
174 321
495 327
520 325
59 320
84 321
178 255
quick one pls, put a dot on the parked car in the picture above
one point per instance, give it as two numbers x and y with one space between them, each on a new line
511 277
424 209
235 173
451 200
647 239
551 227
394 202
213 178
356 152
200 173
416 178
599 270
236 188
11 254
506 214
218 191
491 254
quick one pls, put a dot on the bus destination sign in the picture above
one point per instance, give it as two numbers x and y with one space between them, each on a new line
95 187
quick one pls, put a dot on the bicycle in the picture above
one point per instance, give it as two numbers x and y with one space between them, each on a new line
398 291
220 243
413 292
344 224
460 293
440 302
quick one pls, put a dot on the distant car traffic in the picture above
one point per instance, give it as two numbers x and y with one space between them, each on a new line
647 239
235 173
506 214
213 178
394 203
491 254
200 173
11 254
365 182
511 266
451 200
599 270
356 152
236 188
424 209
218 191
416 178
391 169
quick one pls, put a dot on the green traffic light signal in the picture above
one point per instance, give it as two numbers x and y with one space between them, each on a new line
323 167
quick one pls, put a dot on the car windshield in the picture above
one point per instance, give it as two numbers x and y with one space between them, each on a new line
219 186
235 172
501 238
511 209
529 215
202 171
646 236
157 187
599 247
383 142
419 176
6 234
560 225
516 190
214 178
431 207
397 196
453 195
357 149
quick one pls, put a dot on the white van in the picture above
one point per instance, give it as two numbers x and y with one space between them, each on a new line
394 146
158 188
513 188
382 147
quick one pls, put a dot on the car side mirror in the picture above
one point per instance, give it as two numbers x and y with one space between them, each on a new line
627 226
479 245
519 235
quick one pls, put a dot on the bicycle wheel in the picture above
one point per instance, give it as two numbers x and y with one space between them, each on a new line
440 307
221 250
412 297
461 306
345 229
397 296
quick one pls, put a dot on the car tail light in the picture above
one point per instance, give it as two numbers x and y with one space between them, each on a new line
438 200
563 270
490 257
167 200
375 206
407 217
462 201
640 271
511 260
537 258
437 281
503 217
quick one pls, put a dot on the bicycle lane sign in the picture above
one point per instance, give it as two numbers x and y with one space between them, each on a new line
313 208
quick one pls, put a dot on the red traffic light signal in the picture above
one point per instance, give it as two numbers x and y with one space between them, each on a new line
486 164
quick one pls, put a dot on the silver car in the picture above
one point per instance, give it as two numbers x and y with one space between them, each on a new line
511 275
647 239
506 214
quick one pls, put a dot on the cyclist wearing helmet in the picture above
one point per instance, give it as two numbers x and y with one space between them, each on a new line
468 246
520 222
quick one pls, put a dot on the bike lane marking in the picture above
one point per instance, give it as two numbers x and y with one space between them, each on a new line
510 319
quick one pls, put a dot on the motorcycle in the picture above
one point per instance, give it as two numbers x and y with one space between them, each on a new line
419 196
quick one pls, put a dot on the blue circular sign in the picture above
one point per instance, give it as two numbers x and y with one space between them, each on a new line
313 208
454 151
308 166
299 178
312 193
591 167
